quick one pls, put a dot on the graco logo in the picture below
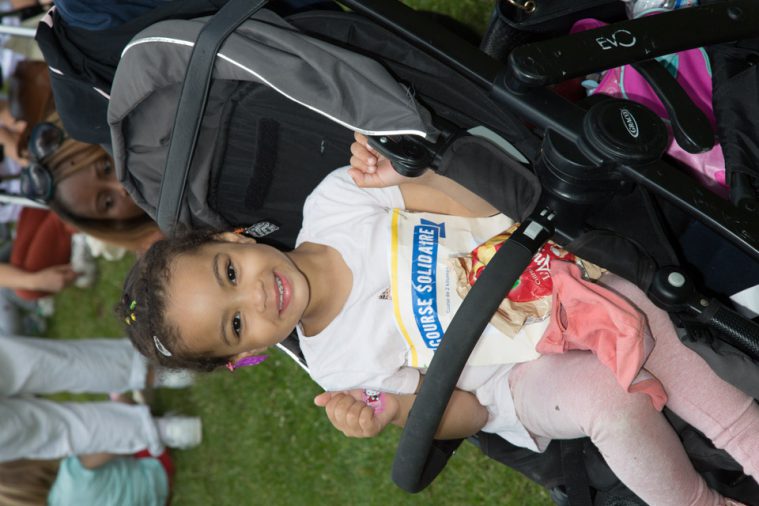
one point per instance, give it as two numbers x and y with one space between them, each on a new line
630 124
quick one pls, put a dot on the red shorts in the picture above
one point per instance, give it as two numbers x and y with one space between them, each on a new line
164 459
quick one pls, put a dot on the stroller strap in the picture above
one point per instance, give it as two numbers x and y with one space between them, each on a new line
192 103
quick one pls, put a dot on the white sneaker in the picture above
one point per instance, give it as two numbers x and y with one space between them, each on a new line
46 306
181 432
173 378
82 261
139 397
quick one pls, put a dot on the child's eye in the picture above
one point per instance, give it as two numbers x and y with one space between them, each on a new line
231 274
105 202
237 324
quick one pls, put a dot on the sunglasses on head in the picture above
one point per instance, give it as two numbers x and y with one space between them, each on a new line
44 140
36 180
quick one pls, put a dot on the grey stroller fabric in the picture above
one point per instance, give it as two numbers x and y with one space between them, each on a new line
343 86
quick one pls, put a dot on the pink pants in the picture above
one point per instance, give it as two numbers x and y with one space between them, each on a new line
573 395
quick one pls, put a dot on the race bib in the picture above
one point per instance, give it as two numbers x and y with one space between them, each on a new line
430 278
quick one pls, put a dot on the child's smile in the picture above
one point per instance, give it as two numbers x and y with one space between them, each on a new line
235 297
285 291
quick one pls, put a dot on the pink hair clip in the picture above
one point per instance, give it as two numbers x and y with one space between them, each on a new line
246 362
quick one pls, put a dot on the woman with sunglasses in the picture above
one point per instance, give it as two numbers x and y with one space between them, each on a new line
77 183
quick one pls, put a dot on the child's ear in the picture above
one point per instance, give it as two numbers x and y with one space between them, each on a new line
235 237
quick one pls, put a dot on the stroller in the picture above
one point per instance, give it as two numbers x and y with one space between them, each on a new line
224 158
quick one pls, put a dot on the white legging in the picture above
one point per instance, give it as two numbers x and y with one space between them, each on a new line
41 429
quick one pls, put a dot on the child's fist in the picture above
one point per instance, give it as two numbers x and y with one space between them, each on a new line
369 169
348 412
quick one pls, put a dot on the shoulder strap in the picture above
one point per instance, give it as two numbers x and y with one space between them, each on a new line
192 103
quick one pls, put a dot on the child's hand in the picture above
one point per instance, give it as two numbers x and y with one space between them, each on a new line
52 279
369 169
351 416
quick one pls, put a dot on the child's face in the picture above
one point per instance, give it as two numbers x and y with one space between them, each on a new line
235 297
94 192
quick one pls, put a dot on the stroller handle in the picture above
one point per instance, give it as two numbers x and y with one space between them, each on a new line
552 61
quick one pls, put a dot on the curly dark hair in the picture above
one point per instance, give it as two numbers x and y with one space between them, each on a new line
143 303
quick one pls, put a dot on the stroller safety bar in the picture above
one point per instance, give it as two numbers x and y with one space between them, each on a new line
411 468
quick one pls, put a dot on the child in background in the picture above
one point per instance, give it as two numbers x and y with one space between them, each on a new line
37 428
85 445
206 300
99 479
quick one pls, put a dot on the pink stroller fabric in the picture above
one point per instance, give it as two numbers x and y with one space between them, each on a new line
692 71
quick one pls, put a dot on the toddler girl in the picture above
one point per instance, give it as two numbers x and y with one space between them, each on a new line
206 300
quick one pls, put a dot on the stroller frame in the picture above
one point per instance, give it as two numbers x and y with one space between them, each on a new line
537 65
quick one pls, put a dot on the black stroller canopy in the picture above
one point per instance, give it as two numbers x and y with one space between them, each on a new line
345 87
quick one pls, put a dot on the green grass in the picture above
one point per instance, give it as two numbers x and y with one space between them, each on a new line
474 13
264 441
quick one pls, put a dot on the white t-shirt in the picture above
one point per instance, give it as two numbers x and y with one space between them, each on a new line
361 347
